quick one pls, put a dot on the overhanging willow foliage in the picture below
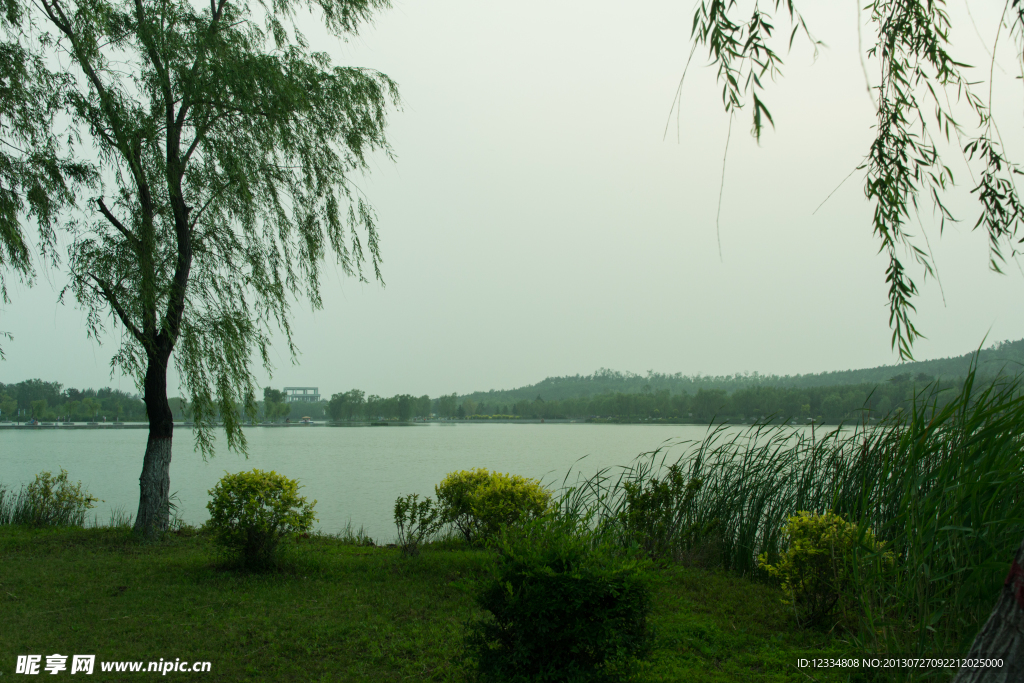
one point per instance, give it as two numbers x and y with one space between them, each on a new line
38 179
920 80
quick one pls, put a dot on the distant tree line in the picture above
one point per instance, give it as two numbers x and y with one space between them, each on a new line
829 404
49 401
355 405
350 406
837 403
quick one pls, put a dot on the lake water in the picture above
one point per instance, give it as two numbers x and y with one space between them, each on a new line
355 474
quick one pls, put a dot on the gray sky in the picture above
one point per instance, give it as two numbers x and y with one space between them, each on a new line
537 224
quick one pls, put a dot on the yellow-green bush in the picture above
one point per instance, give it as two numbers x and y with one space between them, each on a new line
827 561
478 502
250 512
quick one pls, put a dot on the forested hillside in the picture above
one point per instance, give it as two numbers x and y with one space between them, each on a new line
1004 356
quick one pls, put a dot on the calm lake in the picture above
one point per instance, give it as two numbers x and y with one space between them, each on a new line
355 474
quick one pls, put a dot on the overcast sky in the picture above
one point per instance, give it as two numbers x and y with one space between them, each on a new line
536 223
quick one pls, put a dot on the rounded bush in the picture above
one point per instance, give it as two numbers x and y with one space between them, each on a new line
478 502
820 568
250 512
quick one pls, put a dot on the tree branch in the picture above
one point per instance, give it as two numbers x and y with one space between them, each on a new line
216 11
132 239
195 219
108 294
60 20
154 55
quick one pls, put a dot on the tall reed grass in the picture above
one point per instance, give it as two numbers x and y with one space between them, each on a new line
48 501
941 484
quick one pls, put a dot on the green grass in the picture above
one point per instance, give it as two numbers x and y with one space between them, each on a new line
338 611
716 626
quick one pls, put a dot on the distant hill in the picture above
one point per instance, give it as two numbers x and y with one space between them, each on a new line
1003 356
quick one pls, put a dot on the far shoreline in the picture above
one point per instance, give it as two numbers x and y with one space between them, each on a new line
62 426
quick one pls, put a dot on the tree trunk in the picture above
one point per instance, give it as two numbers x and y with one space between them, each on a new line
155 482
1002 637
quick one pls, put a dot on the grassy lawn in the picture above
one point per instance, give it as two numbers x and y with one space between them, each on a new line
339 612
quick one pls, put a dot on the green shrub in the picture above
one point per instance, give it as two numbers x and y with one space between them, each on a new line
47 501
250 512
564 606
478 503
822 568
416 521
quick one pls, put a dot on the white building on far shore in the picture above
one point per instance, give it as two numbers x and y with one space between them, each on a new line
301 394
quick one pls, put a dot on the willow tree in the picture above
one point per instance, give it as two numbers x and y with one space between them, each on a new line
227 150
921 97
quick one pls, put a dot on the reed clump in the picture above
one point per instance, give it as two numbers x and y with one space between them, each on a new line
49 501
938 490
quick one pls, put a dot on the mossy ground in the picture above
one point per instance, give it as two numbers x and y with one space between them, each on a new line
339 612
